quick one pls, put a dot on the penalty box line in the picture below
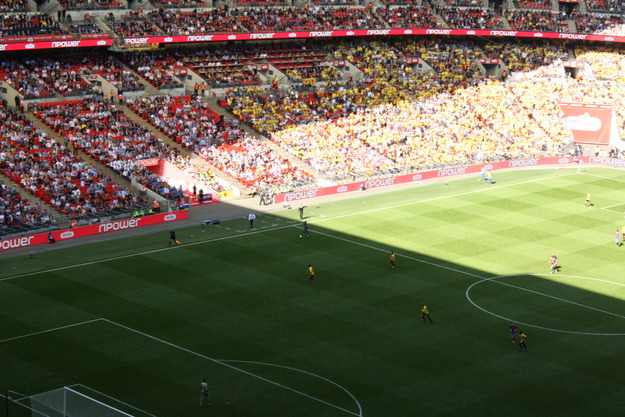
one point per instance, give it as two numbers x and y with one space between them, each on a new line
494 279
217 361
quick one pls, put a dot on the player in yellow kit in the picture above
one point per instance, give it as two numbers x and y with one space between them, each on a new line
391 259
311 273
425 313
522 337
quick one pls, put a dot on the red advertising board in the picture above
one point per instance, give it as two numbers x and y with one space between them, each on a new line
309 34
439 173
589 123
93 229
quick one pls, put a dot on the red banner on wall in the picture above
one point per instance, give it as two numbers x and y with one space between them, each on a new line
589 123
93 229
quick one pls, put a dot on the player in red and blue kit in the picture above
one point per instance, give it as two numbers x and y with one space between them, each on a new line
554 263
513 331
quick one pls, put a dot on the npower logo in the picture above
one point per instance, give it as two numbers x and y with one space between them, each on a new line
18 242
30 46
320 34
417 177
378 32
170 217
524 162
136 41
262 35
168 40
300 195
572 36
292 35
452 171
118 225
101 43
65 44
438 31
342 189
606 161
199 38
503 33
380 182
563 160
408 32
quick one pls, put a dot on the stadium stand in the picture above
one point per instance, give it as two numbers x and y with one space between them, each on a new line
343 126
222 143
51 172
98 128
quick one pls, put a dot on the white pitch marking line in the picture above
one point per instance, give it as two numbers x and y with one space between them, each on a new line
49 330
605 178
495 279
112 398
302 371
403 256
553 296
359 414
443 197
220 362
482 279
277 228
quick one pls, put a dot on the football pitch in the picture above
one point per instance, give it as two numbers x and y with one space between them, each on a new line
138 325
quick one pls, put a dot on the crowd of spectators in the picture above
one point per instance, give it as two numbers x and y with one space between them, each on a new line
533 4
18 214
97 127
31 85
219 66
51 172
260 3
64 75
25 24
135 23
541 21
604 16
219 141
157 67
179 4
91 4
525 56
606 6
475 123
408 16
67 75
395 118
599 24
112 70
464 3
473 18
281 19
84 28
14 6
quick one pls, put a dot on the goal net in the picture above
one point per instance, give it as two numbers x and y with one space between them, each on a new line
66 402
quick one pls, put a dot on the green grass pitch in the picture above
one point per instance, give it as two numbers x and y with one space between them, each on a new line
143 323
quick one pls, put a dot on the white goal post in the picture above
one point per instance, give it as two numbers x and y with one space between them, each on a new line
66 402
